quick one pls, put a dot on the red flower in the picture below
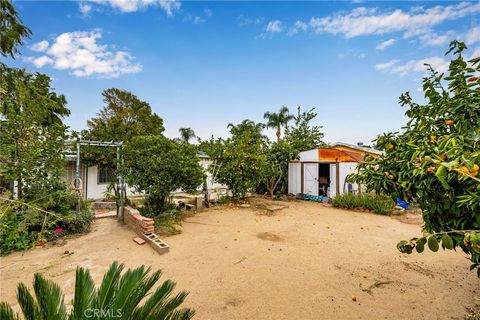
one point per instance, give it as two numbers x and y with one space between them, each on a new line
41 244
58 230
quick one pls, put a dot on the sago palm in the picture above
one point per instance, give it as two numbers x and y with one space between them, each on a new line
277 120
118 297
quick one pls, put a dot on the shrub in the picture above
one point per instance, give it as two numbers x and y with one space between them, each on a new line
118 296
26 224
377 203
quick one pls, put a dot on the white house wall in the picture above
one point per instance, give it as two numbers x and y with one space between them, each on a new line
97 190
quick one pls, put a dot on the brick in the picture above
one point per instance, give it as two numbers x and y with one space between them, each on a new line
139 241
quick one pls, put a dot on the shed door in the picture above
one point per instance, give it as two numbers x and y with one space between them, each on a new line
333 180
310 178
294 178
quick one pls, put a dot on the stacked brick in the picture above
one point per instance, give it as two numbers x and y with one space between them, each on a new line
140 224
144 228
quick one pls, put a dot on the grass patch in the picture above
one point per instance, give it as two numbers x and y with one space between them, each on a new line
379 204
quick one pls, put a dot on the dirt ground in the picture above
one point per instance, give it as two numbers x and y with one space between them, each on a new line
304 262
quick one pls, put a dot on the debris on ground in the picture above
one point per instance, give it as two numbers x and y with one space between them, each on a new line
139 240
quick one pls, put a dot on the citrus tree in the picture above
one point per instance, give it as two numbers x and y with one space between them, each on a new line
240 159
435 159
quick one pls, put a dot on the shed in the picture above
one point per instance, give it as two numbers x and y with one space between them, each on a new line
323 171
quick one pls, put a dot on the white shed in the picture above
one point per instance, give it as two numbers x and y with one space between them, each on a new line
323 171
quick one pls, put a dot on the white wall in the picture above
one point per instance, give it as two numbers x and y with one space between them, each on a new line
294 177
347 168
97 190
309 155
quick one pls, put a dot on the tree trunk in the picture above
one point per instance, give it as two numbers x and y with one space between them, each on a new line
279 132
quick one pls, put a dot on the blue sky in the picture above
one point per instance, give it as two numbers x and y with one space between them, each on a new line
206 64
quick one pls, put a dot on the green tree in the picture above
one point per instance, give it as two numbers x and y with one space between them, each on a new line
275 170
240 162
12 31
277 120
158 166
436 157
32 143
302 134
118 297
186 134
123 117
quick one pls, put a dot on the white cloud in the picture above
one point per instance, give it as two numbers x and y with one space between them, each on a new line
434 39
243 20
473 35
85 8
385 44
386 65
297 27
438 64
274 26
126 6
80 53
40 46
369 21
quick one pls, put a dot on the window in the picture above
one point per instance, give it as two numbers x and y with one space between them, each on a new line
105 174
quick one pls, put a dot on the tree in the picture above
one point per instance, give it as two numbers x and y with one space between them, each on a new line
158 166
32 143
239 164
186 134
12 31
275 171
435 159
118 297
302 135
277 120
123 117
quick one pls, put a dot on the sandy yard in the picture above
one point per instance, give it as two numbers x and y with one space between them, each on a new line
304 262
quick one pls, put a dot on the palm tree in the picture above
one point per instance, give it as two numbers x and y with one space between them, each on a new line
186 134
118 297
277 120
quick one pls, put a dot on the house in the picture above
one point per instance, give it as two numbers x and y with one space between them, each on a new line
324 171
96 179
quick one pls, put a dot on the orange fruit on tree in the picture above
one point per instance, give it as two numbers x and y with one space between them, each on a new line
449 122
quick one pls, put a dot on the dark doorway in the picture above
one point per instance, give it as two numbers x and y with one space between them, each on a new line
323 178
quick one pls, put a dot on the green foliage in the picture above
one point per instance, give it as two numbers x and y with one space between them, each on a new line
12 31
31 147
158 166
436 158
26 224
275 169
119 296
186 134
240 161
277 120
123 117
303 135
377 203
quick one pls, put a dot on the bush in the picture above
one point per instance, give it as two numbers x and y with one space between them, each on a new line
377 203
26 224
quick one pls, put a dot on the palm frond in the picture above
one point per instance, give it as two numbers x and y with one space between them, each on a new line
6 312
50 299
84 294
30 308
133 287
107 290
156 301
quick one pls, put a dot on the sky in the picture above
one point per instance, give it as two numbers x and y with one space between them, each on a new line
205 64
